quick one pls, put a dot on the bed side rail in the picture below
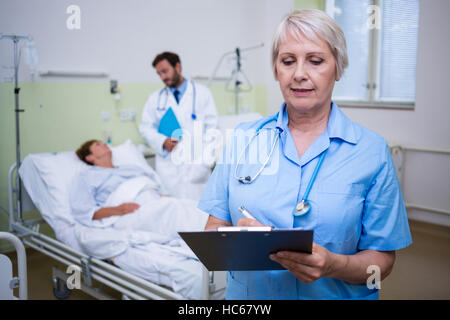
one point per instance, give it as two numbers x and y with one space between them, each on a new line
20 281
110 275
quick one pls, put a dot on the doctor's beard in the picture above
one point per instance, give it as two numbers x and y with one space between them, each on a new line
175 81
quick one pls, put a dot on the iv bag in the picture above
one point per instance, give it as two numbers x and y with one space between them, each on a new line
31 56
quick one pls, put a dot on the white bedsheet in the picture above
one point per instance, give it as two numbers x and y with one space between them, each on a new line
155 257
160 259
159 214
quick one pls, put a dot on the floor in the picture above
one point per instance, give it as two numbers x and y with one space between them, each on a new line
40 284
421 271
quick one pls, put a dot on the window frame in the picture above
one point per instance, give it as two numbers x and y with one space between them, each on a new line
373 99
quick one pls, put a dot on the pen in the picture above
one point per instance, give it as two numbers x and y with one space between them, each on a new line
246 213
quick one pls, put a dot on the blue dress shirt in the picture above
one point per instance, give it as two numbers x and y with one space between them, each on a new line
181 89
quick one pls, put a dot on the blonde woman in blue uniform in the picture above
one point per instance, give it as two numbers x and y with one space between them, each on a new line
332 175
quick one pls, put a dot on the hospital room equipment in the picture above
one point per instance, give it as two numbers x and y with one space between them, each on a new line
165 91
238 76
7 282
17 110
139 265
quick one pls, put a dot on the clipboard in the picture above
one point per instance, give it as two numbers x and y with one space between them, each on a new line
169 125
245 250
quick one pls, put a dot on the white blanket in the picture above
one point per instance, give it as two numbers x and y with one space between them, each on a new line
149 236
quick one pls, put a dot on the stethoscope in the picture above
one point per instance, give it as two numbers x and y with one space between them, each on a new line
304 205
164 106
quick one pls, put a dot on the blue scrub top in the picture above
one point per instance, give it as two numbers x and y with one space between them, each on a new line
356 201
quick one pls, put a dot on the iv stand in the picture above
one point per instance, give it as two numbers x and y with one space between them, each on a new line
236 72
237 82
16 39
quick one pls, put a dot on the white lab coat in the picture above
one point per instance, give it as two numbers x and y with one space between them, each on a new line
183 171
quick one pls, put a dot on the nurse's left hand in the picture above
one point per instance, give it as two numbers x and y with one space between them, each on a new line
306 267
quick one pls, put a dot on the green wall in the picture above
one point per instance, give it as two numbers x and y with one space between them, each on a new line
71 113
309 4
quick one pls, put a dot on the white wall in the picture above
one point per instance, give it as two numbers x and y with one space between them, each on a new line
122 37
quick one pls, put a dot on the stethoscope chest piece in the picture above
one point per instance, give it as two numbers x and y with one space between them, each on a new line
302 208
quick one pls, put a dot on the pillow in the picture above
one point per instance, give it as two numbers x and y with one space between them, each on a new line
56 171
128 154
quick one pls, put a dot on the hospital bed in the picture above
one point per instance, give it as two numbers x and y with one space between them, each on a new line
141 269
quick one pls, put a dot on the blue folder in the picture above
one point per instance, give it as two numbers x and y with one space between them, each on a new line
169 125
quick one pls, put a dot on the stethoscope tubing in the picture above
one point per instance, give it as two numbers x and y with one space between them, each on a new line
314 175
249 179
166 91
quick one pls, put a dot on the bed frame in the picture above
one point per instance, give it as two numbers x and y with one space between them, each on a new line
104 272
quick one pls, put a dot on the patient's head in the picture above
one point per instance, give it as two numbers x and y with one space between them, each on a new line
95 153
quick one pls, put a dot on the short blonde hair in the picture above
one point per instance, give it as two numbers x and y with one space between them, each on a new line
312 23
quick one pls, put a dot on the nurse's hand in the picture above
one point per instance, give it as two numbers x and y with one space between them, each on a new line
306 267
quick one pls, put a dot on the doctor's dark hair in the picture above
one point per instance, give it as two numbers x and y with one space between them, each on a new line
85 150
171 57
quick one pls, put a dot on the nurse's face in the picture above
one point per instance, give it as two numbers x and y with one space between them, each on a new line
306 71
171 76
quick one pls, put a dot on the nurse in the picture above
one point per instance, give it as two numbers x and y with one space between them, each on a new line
180 163
356 206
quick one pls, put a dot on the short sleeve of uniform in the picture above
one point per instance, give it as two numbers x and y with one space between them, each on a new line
214 200
384 222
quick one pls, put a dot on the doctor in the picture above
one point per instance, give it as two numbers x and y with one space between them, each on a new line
321 171
180 163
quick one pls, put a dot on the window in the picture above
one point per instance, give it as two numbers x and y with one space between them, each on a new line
381 40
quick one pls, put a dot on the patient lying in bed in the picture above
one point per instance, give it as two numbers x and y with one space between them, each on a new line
127 197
